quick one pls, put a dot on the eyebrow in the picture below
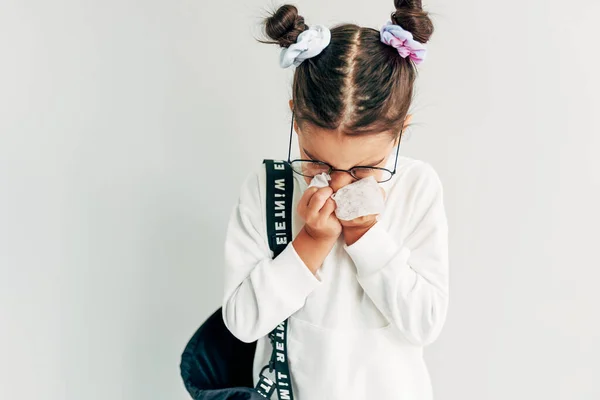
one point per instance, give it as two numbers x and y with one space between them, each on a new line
367 165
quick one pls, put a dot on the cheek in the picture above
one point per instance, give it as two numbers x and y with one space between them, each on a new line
379 174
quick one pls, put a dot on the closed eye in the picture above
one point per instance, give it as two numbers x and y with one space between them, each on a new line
375 164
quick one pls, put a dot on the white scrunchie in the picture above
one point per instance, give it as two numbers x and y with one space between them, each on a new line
309 43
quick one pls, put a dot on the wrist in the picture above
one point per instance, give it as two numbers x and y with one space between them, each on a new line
312 250
318 240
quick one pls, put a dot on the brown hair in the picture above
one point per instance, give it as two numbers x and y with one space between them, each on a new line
357 83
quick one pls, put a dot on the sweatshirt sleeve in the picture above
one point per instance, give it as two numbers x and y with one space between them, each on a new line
407 278
260 292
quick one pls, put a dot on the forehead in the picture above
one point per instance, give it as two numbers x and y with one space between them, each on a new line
342 150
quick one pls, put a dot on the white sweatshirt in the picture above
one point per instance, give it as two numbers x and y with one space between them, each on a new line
356 331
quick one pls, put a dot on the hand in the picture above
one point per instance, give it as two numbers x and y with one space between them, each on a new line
363 222
317 210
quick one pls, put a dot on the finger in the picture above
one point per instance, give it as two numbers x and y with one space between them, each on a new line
318 200
360 221
328 208
305 199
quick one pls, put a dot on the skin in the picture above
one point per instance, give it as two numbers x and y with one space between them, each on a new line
322 228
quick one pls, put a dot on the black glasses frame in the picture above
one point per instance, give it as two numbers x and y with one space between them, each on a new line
331 168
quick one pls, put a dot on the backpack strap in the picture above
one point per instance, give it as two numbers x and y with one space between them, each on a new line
280 190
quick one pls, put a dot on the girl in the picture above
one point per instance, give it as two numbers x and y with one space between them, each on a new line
362 297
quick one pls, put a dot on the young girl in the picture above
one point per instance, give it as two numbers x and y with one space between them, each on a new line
363 297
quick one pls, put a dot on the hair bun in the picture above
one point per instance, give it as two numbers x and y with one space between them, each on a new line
409 15
284 25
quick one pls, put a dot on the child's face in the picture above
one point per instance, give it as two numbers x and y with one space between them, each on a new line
343 151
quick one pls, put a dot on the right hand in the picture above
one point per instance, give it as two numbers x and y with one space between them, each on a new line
317 210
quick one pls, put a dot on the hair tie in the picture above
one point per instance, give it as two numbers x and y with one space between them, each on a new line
309 43
395 36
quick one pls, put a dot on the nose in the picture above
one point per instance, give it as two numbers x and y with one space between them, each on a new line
340 179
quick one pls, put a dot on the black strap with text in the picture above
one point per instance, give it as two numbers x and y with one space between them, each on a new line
280 190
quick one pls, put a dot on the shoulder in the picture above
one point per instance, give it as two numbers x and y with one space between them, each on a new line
416 170
252 187
419 177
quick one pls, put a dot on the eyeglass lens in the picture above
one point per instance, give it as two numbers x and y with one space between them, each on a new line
311 169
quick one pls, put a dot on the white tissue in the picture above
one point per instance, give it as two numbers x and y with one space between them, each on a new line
321 180
358 199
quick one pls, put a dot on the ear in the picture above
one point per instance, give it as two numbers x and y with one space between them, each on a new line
296 128
407 121
404 126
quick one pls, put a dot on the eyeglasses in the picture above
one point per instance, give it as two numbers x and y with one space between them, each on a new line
311 168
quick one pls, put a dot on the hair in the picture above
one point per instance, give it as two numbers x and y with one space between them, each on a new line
357 83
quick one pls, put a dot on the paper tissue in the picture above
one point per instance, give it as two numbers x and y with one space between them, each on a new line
357 199
321 180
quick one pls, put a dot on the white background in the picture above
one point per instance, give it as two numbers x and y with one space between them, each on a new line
127 127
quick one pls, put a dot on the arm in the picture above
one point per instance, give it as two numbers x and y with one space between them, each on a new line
261 292
407 279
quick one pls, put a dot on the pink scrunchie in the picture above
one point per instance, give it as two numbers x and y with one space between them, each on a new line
395 36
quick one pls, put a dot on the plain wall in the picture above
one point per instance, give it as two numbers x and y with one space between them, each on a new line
127 127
